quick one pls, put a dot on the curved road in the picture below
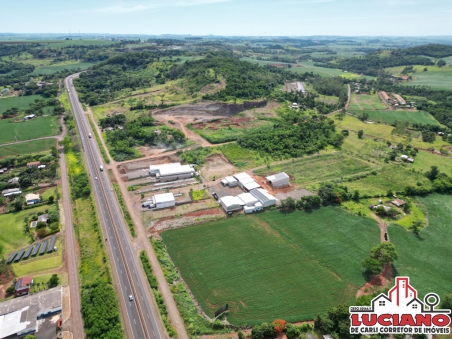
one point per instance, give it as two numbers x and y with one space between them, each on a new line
140 314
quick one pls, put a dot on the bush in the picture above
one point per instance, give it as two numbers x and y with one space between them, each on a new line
10 289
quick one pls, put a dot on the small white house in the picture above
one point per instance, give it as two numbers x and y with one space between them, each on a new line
404 157
164 200
250 209
229 181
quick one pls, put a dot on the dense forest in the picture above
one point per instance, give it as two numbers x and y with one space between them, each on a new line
288 140
244 80
432 50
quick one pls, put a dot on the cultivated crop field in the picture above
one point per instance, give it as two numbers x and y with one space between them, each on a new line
435 77
274 265
224 130
59 67
314 169
420 117
391 177
30 147
424 258
35 128
18 102
366 102
242 157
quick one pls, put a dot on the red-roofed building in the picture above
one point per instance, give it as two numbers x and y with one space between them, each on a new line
23 285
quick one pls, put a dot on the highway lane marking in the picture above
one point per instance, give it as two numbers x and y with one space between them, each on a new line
134 321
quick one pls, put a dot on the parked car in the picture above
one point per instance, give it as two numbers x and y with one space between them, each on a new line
215 195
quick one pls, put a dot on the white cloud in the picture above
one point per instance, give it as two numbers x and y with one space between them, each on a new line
120 9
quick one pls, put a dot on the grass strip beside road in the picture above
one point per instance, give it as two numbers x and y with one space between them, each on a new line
125 212
99 141
157 295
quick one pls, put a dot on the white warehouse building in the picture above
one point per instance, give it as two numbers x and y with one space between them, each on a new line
230 203
247 199
172 171
229 181
246 182
163 200
265 198
279 180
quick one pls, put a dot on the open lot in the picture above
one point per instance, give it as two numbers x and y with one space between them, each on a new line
314 169
18 102
12 234
30 147
274 265
31 129
424 258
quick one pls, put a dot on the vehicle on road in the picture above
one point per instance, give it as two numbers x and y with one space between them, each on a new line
131 297
101 167
89 134
215 195
95 178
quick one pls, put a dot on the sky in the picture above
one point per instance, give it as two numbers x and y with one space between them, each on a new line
230 17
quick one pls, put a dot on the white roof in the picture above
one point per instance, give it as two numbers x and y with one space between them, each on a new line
252 185
165 197
404 156
247 198
176 169
241 176
31 196
262 195
10 323
277 176
247 181
230 179
230 201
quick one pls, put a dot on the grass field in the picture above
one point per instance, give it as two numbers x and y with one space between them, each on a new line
313 169
384 131
55 68
12 235
274 265
435 77
32 129
425 160
420 117
391 177
18 102
361 102
242 157
425 258
29 147
40 264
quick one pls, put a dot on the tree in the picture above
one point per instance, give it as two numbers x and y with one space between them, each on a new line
441 63
356 196
360 134
433 173
53 281
29 336
384 252
10 289
241 335
417 226
18 205
372 266
279 325
51 199
40 224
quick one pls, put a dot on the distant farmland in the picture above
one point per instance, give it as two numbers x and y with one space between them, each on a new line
420 117
18 102
55 68
32 129
274 265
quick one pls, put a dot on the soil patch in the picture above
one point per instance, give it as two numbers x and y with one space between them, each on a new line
216 165
377 282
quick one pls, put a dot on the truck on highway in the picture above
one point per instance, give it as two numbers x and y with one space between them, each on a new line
101 167
89 134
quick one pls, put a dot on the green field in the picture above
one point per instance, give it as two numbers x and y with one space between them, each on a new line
274 265
242 157
56 68
314 169
12 235
32 129
424 160
360 102
391 177
426 258
18 102
420 117
435 77
36 146
308 66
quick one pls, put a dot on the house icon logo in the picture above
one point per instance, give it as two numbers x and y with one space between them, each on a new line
400 312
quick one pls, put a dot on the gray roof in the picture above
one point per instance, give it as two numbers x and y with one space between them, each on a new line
43 217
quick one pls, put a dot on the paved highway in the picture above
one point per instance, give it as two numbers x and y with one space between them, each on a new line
141 320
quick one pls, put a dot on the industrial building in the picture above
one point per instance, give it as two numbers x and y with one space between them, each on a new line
19 316
230 203
172 171
163 200
279 180
265 198
245 182
229 181
247 199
